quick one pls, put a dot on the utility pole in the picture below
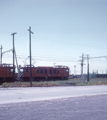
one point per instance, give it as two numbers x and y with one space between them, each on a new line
54 64
74 70
82 63
106 69
13 56
30 55
87 67
1 55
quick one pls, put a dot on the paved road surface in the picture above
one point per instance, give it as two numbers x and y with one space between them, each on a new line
13 95
76 108
73 103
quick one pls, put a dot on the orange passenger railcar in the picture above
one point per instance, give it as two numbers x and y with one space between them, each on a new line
45 73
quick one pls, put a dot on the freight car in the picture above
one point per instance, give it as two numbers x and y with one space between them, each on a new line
101 75
44 73
6 73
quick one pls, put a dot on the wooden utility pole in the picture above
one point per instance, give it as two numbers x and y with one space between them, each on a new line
13 56
30 55
87 67
82 63
1 55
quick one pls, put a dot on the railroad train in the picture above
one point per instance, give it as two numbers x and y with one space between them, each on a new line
101 75
45 73
38 73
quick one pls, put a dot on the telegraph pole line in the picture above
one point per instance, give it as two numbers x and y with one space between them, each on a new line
30 55
13 56
82 63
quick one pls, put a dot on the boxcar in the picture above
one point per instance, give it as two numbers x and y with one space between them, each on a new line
45 73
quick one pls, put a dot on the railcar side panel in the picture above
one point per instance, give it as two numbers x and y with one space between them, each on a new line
6 73
46 72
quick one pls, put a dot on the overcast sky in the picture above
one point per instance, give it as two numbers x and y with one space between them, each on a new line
63 30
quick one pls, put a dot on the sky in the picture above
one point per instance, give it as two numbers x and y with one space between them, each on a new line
63 30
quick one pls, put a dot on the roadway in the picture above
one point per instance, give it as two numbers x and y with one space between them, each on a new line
16 95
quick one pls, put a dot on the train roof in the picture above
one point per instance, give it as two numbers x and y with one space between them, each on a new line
58 66
6 65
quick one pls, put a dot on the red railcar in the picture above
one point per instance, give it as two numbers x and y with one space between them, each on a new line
6 73
45 73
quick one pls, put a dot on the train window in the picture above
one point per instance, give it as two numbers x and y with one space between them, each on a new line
67 71
57 71
41 71
54 71
45 71
37 71
26 70
21 70
11 70
50 71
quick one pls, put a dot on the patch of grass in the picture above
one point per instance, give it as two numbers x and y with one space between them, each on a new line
4 85
69 82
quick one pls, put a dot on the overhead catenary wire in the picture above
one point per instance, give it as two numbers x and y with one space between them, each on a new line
55 58
50 58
